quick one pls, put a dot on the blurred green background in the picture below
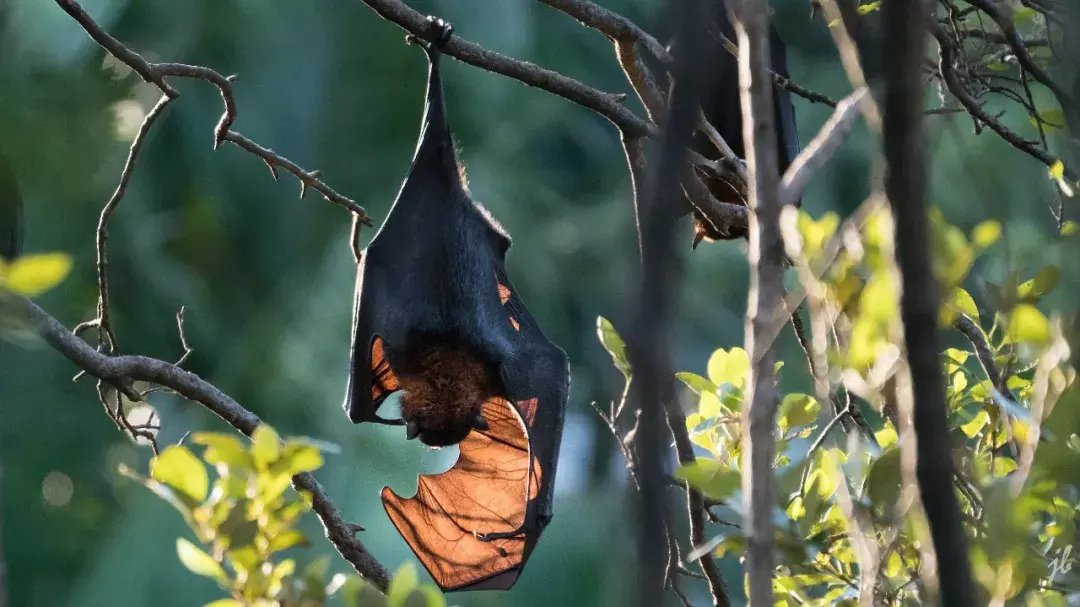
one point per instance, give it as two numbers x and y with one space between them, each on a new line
267 278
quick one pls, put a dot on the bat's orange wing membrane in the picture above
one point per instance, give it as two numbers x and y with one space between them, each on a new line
383 380
486 491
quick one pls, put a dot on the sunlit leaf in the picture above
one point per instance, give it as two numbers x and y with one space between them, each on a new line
697 383
1044 282
986 233
224 450
299 457
181 470
869 7
977 423
614 344
403 583
712 478
1022 14
1027 324
287 540
797 410
883 480
199 562
266 446
886 437
32 275
1057 173
1003 466
731 367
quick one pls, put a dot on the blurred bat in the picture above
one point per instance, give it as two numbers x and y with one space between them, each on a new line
436 318
723 110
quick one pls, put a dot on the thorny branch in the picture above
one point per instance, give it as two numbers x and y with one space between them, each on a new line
123 371
158 74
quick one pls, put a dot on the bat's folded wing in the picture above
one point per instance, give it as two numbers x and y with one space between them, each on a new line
487 491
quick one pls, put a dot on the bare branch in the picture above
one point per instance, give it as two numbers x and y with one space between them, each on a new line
766 293
821 148
611 24
157 72
608 105
123 371
952 82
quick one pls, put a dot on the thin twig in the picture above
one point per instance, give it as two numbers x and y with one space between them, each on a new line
123 372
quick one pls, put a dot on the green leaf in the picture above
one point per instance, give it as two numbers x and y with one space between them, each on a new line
731 367
986 233
866 9
1027 324
977 423
1044 282
355 592
712 478
401 586
199 562
614 344
181 470
32 275
266 446
298 457
286 540
797 410
697 383
883 480
816 233
433 596
224 450
879 297
1003 466
1022 14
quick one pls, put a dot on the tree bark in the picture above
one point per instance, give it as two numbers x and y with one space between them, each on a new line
905 186
766 256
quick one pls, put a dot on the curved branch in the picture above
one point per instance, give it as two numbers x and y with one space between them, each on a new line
123 371
947 65
608 105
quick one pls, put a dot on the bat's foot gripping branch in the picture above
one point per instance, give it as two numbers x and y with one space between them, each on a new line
438 35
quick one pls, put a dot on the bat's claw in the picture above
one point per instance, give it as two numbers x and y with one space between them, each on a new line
499 535
437 35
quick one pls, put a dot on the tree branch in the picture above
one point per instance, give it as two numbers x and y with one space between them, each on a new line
905 186
123 371
766 293
608 105
947 65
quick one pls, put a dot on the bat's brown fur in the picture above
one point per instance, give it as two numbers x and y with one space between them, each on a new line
442 389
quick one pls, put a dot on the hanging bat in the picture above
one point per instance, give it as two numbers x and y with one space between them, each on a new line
723 109
436 319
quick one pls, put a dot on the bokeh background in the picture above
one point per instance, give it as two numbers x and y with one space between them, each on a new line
267 278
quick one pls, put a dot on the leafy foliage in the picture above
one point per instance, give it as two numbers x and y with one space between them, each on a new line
245 520
849 510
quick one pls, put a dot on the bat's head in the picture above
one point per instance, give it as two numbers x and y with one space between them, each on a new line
442 390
